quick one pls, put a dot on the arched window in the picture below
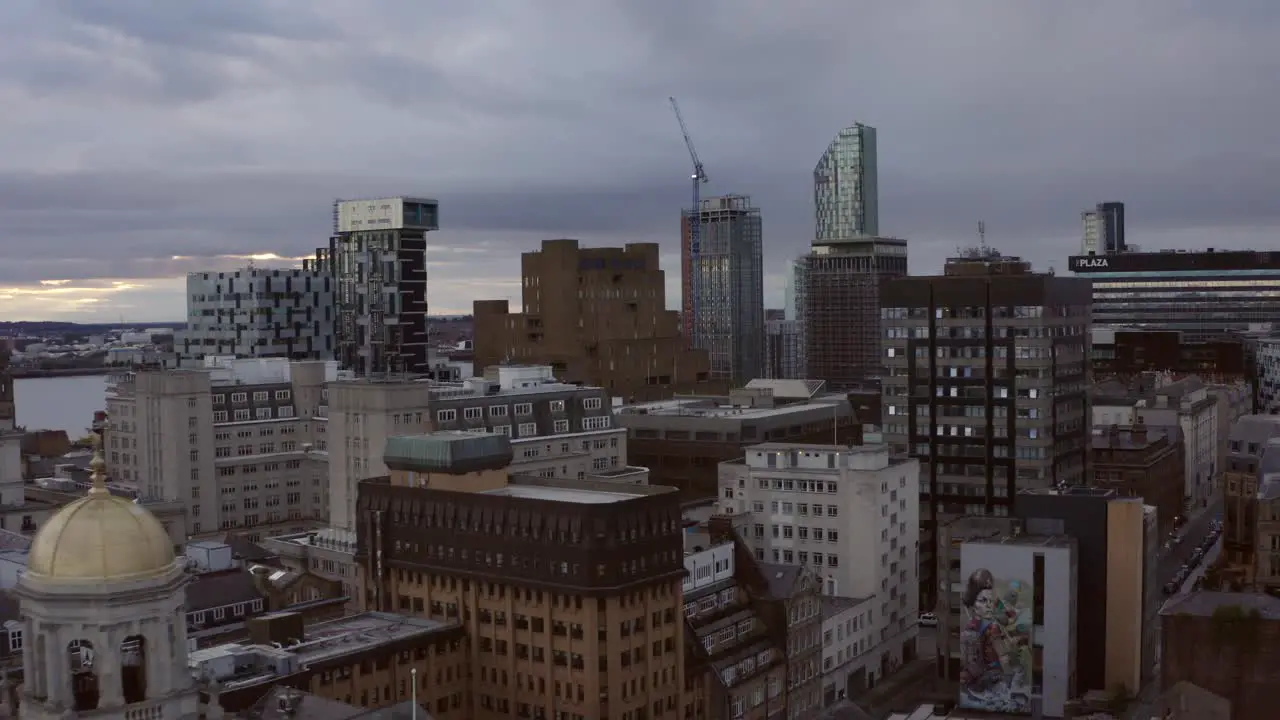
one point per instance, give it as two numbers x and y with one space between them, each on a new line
133 669
81 661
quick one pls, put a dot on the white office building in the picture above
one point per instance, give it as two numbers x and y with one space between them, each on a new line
257 313
1044 568
850 513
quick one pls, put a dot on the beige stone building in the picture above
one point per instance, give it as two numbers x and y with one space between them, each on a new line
240 443
556 430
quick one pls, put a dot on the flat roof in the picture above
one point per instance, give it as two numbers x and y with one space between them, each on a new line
323 641
565 495
1059 541
1206 602
719 408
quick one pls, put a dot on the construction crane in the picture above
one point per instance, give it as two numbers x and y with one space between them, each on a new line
695 222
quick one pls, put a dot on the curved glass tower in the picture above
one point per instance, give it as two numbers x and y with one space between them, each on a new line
845 195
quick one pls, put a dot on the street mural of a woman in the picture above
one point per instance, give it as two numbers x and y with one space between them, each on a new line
995 646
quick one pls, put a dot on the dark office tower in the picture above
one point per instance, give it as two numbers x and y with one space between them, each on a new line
986 370
1112 214
837 301
1103 230
377 257
722 287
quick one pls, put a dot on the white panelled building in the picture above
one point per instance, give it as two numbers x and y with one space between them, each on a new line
849 513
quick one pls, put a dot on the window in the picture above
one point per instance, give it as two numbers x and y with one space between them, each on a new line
219 416
239 397
261 396
446 415
502 430
524 408
242 415
473 413
556 405
497 411
282 394
591 403
263 413
528 429
562 426
596 423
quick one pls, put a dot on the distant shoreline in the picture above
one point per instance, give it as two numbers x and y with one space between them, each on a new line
31 373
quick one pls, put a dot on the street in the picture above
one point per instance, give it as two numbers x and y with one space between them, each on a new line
1191 534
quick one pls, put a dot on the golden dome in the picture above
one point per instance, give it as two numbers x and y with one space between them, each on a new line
101 537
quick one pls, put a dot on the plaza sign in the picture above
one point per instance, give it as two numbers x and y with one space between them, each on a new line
1092 262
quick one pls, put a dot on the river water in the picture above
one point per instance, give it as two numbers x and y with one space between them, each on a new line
60 403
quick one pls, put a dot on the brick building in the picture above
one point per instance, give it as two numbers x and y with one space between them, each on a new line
597 316
1125 354
1144 462
1226 643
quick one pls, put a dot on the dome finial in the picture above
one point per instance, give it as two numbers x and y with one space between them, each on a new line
98 468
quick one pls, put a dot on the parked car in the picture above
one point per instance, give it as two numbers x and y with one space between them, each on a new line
928 620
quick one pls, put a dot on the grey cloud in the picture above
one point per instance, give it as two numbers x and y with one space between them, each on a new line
233 124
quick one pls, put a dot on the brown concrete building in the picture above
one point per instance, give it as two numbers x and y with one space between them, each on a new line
371 660
1226 643
569 591
597 316
1142 462
1243 508
986 371
1124 354
838 293
683 441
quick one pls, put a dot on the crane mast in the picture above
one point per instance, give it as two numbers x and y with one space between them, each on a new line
695 219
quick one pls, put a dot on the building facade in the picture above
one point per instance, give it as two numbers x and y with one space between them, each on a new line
1036 578
681 441
1142 462
236 443
722 286
377 259
598 317
1226 643
1125 354
1103 230
838 304
557 430
532 568
1250 493
783 350
257 312
1205 295
737 669
846 192
1185 404
986 383
851 514
1118 550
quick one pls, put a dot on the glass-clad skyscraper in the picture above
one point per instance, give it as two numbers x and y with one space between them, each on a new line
727 317
845 192
1203 294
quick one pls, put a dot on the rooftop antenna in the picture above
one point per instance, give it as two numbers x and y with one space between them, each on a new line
982 235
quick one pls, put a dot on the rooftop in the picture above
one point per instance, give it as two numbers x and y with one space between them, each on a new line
1045 541
1073 491
1205 602
563 495
1138 437
835 604
448 451
285 703
238 665
721 408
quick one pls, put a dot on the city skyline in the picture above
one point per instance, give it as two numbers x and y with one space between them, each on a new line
145 143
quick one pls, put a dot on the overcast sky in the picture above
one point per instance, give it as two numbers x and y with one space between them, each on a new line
142 139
